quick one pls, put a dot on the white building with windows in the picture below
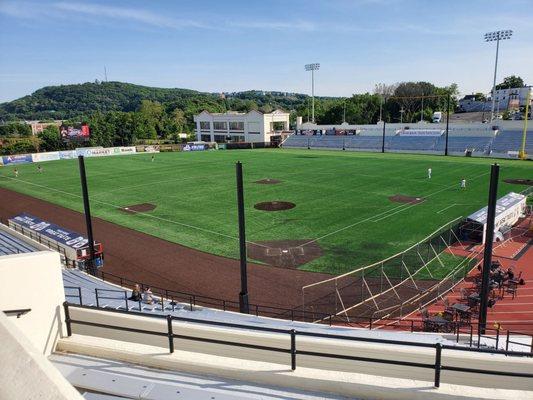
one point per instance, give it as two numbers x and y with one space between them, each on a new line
512 97
251 127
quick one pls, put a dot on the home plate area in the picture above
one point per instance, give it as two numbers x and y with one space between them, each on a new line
284 253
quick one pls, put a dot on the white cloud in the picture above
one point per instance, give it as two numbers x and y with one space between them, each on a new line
275 25
128 14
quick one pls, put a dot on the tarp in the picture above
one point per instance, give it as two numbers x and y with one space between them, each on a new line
61 235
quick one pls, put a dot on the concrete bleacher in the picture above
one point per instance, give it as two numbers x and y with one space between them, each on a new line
511 140
11 244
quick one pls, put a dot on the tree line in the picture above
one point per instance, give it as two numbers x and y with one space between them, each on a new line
120 114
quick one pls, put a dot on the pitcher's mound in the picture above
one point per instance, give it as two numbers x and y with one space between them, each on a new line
135 208
268 181
284 253
274 206
520 181
400 198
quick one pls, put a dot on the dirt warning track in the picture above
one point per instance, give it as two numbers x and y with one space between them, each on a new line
157 262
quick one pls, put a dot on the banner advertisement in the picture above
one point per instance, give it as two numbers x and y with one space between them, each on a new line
124 150
151 149
64 236
42 157
420 132
194 147
74 132
17 159
94 151
68 154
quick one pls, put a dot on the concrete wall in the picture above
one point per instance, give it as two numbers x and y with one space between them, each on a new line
33 280
26 373
412 354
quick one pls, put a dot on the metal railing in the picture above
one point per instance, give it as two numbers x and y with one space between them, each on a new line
293 334
18 312
170 303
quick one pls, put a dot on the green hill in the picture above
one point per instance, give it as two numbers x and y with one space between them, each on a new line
73 101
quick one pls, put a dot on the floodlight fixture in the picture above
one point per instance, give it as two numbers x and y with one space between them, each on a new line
312 67
496 36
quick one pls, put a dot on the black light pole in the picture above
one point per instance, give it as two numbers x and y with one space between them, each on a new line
447 122
87 208
383 141
243 295
487 255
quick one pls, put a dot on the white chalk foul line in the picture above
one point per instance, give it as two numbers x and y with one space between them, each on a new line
137 213
385 214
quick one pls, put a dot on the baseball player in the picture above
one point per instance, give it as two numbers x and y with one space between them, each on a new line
463 183
429 173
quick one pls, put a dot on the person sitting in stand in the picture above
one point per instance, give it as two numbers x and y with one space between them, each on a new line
147 296
135 293
510 274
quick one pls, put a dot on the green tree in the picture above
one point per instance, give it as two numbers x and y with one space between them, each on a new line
50 139
510 82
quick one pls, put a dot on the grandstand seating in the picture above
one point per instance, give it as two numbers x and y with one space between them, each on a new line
10 244
479 142
511 140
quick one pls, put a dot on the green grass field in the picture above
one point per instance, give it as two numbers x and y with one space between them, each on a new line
341 197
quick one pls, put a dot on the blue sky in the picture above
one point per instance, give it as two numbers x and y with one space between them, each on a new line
238 45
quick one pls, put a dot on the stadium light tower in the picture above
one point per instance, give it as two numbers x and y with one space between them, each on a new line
496 36
312 67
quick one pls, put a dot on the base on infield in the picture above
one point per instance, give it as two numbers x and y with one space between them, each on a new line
400 198
135 208
274 206
284 253
528 182
268 181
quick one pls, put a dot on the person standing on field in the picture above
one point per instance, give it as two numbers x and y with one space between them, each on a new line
16 172
153 157
463 183
429 173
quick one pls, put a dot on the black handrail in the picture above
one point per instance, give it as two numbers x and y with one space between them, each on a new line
18 312
365 322
293 351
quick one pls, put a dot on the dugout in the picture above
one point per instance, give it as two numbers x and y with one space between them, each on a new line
509 209
72 246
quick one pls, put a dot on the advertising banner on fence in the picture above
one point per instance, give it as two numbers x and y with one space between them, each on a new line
52 231
68 154
194 147
17 159
42 157
94 151
151 149
420 132
124 150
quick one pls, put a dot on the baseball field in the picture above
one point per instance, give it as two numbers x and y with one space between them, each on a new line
344 209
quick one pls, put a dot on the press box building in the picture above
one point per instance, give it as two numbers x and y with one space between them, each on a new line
251 127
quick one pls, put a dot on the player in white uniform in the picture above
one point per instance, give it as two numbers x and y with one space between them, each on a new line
463 183
16 172
429 173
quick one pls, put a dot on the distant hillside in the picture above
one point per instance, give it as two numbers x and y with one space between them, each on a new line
72 101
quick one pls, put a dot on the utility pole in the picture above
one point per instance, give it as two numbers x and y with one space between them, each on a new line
447 123
487 254
244 306
89 265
